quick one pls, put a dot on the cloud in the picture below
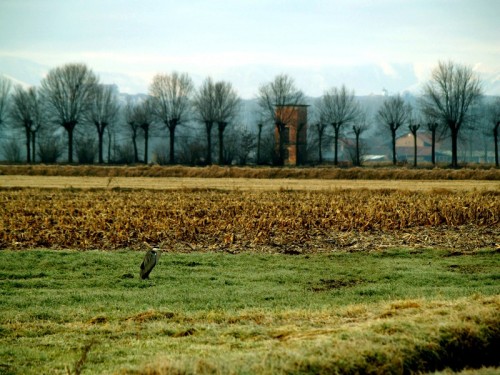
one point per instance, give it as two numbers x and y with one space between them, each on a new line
388 69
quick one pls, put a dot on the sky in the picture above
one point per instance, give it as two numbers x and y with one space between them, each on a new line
368 45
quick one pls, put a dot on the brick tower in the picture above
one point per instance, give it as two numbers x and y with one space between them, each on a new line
293 128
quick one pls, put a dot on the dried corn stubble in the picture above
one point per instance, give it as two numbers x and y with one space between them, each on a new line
204 219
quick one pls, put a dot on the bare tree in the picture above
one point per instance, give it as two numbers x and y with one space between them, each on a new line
483 130
50 147
85 147
5 85
11 150
259 142
268 147
191 147
414 126
274 98
67 91
320 125
143 115
133 125
358 128
339 108
103 112
171 102
244 146
393 114
494 120
432 126
320 130
227 106
27 111
204 103
449 97
111 131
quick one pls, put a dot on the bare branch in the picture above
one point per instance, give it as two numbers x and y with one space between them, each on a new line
279 93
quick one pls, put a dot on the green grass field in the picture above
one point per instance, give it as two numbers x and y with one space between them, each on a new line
393 311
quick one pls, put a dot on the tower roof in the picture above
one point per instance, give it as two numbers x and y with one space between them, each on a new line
292 105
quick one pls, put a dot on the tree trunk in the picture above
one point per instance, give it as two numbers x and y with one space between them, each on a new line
258 143
171 132
415 149
281 144
320 141
33 146
100 141
222 127
221 147
172 125
336 128
357 159
134 142
495 139
208 127
433 146
70 144
70 126
146 144
394 157
109 146
414 129
28 145
454 147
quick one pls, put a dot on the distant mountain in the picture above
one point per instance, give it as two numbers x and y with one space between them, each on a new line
364 79
21 71
30 73
369 79
491 84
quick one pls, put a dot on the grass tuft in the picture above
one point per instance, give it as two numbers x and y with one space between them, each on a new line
151 316
79 365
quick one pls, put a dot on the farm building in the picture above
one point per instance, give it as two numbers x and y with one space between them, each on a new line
405 147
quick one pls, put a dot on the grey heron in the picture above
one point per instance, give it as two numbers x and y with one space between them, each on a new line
149 262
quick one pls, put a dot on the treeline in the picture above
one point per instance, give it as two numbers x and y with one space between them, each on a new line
203 125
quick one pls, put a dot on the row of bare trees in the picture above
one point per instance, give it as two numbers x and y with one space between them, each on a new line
446 105
71 95
339 108
450 101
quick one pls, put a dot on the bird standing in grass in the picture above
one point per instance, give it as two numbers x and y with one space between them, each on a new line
149 262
